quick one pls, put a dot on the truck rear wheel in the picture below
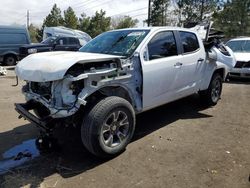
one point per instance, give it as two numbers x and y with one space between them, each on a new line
108 127
212 95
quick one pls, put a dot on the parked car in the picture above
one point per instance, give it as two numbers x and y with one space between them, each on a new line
11 38
59 43
115 76
241 49
83 37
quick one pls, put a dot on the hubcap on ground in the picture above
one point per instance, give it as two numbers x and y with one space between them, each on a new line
115 129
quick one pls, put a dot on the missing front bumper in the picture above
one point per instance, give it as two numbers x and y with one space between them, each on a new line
24 108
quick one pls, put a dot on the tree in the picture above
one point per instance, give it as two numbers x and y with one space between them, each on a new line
120 22
234 18
99 23
54 18
84 22
70 19
194 10
158 12
33 31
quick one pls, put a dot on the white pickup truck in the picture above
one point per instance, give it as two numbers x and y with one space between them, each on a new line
115 76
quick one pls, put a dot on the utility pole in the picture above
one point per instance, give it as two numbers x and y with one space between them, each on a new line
28 19
149 12
202 10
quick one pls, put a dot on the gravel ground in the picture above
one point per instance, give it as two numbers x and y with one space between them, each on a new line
181 144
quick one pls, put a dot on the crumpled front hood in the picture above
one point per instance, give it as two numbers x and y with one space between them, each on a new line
242 56
49 66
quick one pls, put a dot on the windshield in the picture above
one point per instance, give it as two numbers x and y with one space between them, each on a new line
121 42
242 46
49 40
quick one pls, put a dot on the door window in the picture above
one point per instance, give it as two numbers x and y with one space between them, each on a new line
73 41
62 41
189 41
162 45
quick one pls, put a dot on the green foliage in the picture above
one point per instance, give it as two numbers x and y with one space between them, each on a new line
97 24
33 31
54 18
194 10
234 18
158 12
123 22
70 19
39 35
84 22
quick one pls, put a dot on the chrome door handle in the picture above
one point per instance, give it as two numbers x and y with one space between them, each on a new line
200 60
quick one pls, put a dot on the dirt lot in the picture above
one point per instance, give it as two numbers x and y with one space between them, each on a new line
181 144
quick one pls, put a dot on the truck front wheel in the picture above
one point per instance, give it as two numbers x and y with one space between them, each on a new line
212 95
108 127
9 60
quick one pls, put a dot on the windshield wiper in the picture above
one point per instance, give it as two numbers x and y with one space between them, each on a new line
121 38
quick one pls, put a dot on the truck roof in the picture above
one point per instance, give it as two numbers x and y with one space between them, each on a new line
240 38
155 28
12 27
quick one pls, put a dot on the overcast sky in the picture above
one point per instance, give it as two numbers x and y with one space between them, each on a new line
14 12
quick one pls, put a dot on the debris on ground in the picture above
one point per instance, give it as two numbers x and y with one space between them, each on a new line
214 171
3 71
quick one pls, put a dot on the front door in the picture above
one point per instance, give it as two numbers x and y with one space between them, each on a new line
161 66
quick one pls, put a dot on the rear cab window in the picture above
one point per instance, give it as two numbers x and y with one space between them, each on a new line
189 42
162 45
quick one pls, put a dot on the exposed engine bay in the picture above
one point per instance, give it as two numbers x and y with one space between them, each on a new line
64 97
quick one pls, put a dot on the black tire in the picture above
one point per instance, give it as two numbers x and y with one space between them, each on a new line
9 60
211 96
110 117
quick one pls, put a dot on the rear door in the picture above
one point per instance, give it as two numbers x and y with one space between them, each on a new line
74 44
61 44
192 62
67 44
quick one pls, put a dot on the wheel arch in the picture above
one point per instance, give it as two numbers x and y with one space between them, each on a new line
207 79
112 90
221 72
10 53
